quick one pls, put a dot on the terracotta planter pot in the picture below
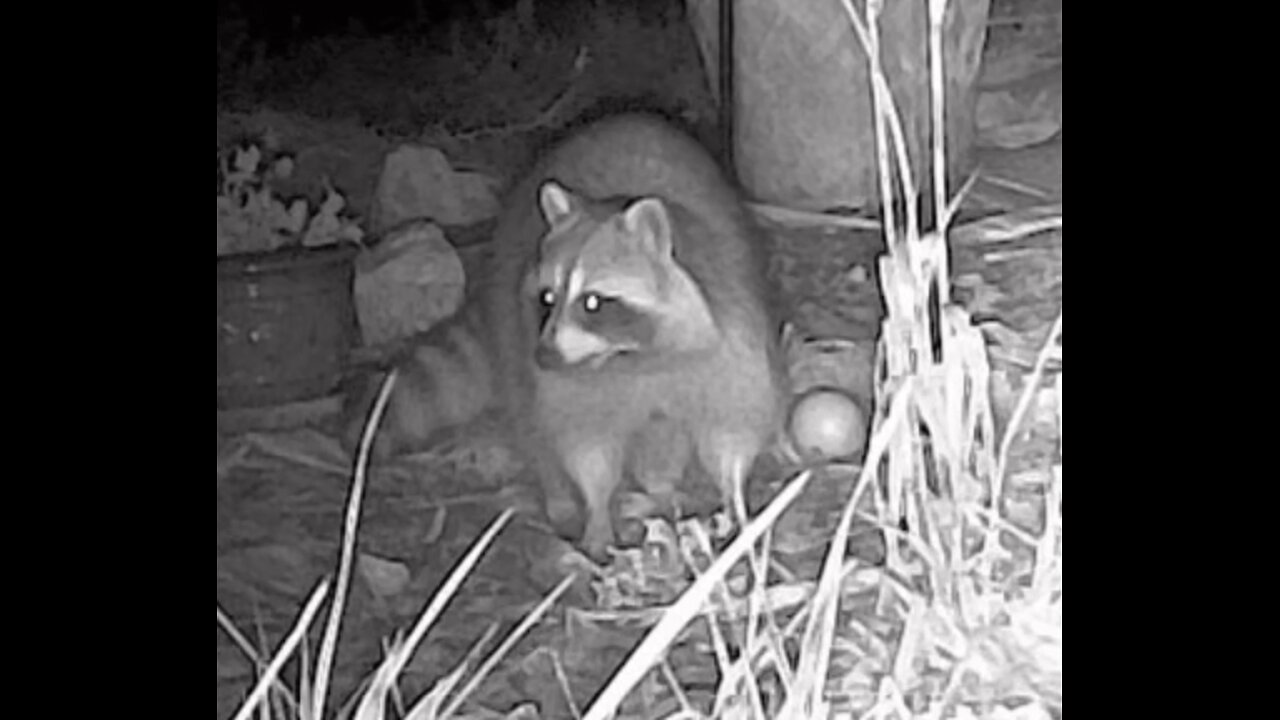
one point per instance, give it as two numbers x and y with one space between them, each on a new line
286 325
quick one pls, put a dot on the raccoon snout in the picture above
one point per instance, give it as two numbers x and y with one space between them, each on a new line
548 357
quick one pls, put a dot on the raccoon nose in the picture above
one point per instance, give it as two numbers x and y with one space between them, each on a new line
548 357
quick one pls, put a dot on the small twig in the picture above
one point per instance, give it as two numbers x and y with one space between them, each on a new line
563 679
1014 186
806 218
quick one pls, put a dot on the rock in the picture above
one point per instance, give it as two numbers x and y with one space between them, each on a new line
419 183
413 280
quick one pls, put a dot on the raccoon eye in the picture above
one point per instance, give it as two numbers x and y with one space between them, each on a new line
593 302
548 298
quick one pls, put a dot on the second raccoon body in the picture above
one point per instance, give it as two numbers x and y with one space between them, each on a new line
625 300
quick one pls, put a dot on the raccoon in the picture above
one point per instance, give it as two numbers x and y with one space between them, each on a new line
625 300
446 379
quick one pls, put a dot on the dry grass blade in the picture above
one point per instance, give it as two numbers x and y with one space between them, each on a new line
238 637
350 530
562 679
791 217
1059 416
673 682
429 707
1010 227
937 16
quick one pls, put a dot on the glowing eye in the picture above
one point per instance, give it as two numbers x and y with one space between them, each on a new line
548 298
593 303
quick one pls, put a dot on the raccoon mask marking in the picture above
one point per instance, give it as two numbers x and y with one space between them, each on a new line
610 284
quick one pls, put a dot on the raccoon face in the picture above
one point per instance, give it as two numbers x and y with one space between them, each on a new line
608 282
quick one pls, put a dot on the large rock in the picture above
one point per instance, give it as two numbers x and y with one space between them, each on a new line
419 183
413 280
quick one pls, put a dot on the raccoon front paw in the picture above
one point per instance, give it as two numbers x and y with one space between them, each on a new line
562 511
597 539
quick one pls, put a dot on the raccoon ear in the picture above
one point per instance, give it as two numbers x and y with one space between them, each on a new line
558 204
648 222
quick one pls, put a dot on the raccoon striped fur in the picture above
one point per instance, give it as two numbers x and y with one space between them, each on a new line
625 300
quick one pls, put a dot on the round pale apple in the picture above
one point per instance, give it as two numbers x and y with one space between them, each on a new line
827 424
